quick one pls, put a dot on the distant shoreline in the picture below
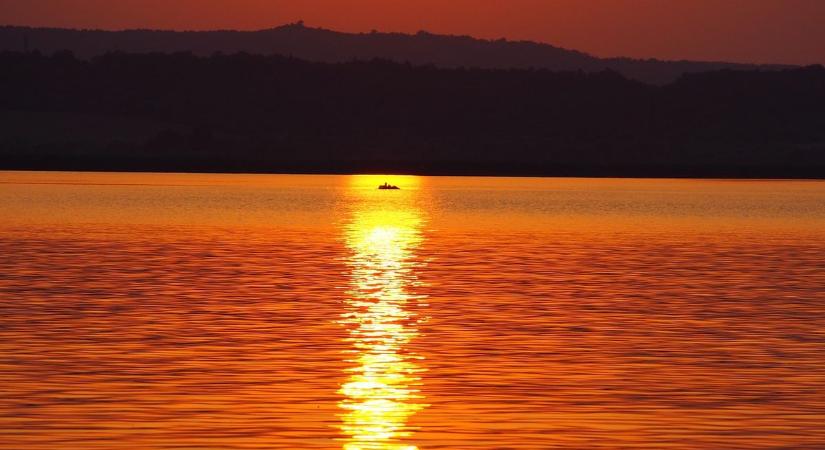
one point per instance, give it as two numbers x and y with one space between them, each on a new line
731 173
255 114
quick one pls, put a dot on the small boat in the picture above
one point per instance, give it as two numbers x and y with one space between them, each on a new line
387 186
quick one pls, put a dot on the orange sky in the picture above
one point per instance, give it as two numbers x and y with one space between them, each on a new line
782 31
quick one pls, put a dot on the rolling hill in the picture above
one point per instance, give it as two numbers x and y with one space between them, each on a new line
321 45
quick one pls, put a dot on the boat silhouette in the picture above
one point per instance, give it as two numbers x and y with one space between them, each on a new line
387 186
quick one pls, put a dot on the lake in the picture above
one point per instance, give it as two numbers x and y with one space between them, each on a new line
161 311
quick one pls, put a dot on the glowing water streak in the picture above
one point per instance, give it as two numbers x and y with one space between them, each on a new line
382 390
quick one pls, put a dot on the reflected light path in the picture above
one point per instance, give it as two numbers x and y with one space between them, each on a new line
382 389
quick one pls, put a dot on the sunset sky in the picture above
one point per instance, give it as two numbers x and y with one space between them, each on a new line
765 31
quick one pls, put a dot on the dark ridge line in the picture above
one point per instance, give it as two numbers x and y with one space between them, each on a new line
325 45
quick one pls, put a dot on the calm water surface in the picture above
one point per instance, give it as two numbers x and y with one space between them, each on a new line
149 311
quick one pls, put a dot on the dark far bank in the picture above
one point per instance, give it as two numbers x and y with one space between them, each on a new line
268 113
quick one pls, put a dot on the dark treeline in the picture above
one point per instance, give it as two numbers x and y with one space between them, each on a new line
277 114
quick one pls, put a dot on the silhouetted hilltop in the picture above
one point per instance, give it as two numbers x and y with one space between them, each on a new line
320 45
277 114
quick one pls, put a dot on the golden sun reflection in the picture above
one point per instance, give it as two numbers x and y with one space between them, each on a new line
382 389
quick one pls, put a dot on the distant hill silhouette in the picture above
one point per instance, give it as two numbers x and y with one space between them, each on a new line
320 45
251 113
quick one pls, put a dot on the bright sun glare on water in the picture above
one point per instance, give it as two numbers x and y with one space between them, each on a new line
382 391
